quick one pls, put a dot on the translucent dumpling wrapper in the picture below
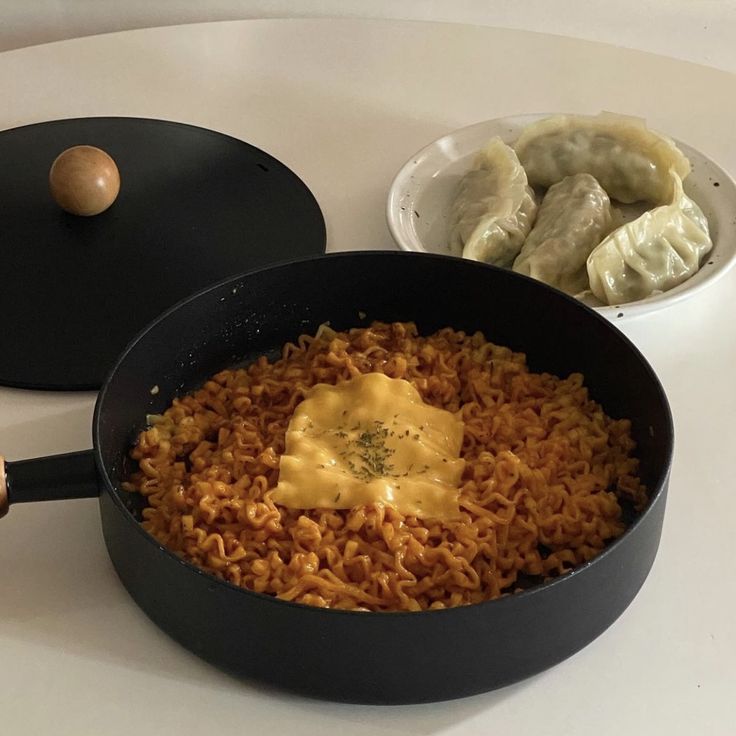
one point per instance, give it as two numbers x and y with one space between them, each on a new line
630 161
573 218
654 253
494 208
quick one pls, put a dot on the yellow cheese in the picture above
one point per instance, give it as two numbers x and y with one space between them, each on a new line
371 440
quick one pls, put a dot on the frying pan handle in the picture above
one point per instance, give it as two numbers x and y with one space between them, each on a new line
48 479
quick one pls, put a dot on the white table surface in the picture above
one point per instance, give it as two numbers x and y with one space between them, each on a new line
344 103
700 31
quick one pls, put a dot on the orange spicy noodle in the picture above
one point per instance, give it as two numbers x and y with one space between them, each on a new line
546 474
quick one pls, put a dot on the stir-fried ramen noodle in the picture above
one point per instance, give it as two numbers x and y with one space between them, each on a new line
546 473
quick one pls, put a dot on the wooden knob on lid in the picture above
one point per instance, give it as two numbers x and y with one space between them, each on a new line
84 180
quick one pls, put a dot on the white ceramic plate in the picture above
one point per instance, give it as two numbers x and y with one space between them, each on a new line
422 192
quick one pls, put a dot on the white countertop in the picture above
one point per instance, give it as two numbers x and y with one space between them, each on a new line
344 103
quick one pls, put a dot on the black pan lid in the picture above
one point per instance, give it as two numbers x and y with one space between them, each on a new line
195 207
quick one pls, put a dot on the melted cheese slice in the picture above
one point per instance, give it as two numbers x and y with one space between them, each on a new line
371 440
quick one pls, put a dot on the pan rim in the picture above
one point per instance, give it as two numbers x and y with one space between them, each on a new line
660 485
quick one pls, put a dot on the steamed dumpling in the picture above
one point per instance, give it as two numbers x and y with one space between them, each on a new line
494 208
573 218
653 253
631 162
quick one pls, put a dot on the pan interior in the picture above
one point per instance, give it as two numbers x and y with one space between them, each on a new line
236 321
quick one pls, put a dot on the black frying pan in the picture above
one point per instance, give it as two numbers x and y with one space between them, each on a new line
354 656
